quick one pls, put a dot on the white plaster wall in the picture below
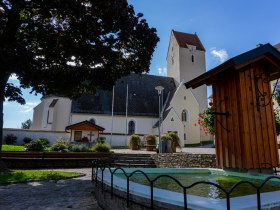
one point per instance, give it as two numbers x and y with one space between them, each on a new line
190 70
37 117
62 111
34 134
184 99
143 125
173 68
60 114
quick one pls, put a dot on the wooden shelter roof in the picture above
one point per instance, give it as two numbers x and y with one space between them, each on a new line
264 52
85 125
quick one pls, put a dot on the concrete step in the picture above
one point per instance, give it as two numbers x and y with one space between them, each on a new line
133 161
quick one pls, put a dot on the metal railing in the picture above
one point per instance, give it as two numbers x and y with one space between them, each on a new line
103 164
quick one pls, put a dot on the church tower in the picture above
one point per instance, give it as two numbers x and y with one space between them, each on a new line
186 61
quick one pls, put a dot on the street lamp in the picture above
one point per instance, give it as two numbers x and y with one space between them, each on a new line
160 91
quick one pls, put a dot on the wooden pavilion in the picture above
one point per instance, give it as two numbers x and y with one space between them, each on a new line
244 117
81 131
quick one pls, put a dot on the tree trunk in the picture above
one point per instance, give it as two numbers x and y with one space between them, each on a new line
3 83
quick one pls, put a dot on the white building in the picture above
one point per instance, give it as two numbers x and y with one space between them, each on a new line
138 111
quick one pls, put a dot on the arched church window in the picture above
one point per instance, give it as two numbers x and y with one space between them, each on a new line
92 120
192 58
131 127
185 116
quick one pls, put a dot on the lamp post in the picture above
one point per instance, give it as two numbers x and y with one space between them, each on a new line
160 90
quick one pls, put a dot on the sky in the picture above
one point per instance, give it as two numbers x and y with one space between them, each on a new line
226 28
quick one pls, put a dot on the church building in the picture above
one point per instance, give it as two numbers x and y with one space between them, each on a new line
132 106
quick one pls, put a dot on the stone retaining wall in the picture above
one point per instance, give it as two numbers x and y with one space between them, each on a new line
184 160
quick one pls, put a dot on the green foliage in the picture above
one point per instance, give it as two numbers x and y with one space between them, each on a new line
28 175
277 122
60 146
26 125
45 142
206 120
6 147
42 42
175 138
166 138
101 139
10 139
35 145
150 139
134 141
27 140
79 148
99 147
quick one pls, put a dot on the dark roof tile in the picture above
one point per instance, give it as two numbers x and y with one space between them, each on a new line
192 39
142 97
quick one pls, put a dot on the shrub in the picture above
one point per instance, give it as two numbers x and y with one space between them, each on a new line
10 139
99 147
134 142
150 139
175 138
60 146
166 138
101 139
35 145
27 140
45 142
79 148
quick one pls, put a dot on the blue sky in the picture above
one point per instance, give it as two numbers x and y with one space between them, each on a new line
225 28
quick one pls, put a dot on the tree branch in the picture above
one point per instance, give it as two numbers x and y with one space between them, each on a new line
4 6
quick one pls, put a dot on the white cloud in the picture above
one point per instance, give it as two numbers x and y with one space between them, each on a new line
13 77
162 71
220 55
28 107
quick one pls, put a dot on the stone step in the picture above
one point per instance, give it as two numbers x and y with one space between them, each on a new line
133 160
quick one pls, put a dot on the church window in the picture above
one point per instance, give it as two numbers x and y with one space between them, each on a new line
92 120
77 135
185 116
192 58
131 127
185 136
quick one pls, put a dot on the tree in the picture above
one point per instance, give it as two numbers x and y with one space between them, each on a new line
67 47
26 125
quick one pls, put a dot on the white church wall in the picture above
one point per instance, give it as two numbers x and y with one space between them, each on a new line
173 64
57 118
190 70
185 100
143 125
61 114
52 136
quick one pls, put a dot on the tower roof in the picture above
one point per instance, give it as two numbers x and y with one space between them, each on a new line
192 39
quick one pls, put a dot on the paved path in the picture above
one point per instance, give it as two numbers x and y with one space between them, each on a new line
76 193
67 194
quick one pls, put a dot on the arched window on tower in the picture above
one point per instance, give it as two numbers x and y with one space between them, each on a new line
131 127
192 58
185 116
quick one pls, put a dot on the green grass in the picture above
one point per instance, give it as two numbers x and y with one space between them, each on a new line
6 147
31 175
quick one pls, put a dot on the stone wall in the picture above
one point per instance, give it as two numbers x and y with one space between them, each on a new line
184 160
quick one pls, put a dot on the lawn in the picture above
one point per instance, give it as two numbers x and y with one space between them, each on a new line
6 147
31 175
